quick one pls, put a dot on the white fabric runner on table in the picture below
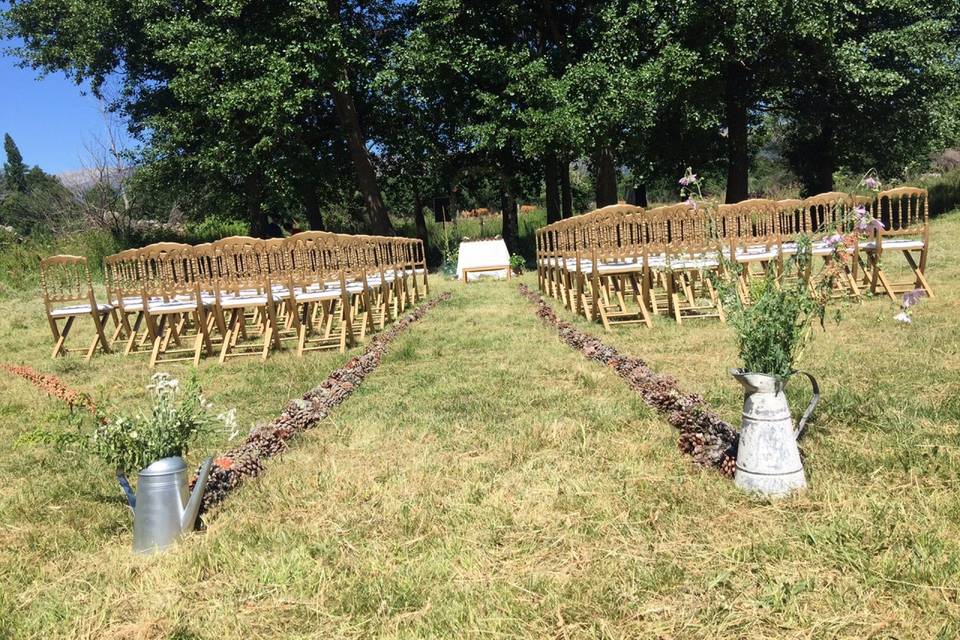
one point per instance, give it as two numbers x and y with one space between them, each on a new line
483 253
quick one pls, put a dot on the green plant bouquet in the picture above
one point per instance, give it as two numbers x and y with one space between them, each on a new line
178 415
517 263
773 329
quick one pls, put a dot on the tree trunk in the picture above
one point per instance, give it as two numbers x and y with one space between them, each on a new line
821 176
508 208
357 144
606 170
253 197
419 221
566 193
738 157
551 177
311 206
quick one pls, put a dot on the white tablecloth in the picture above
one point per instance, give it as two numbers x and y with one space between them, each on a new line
483 253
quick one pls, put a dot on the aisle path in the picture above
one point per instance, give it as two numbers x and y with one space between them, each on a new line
483 479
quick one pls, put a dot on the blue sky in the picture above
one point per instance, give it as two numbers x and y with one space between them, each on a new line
50 118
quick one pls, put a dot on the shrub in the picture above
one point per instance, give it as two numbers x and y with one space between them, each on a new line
215 227
944 192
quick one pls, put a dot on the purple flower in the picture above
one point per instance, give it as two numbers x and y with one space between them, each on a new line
910 298
688 180
691 203
834 241
863 220
875 225
871 183
903 317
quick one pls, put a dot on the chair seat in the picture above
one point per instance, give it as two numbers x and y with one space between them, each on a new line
317 294
256 300
622 266
173 306
127 302
894 244
749 256
695 263
79 309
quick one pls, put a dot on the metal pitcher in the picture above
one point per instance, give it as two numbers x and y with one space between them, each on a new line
163 509
768 459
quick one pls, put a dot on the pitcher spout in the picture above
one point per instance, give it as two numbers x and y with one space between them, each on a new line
758 382
189 517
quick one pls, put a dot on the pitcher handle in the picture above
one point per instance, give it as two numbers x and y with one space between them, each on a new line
802 425
128 492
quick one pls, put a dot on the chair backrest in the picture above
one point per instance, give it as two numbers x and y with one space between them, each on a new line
829 213
311 255
902 210
65 279
122 272
243 267
793 219
170 270
750 223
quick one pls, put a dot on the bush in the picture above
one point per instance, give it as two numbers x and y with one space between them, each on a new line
215 227
944 192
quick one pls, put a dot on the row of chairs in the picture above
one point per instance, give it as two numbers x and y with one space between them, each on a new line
622 264
237 296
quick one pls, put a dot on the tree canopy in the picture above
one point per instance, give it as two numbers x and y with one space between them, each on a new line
372 107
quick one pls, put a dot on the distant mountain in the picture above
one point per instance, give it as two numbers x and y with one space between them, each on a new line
80 180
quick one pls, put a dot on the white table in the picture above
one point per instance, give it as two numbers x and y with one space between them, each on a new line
483 258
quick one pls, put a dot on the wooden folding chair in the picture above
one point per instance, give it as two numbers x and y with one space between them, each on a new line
64 280
173 305
121 273
616 271
903 214
831 214
692 258
318 293
750 232
244 290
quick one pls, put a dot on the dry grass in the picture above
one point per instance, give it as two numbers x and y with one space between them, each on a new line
488 481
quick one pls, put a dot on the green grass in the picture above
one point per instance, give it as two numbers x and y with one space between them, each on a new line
488 481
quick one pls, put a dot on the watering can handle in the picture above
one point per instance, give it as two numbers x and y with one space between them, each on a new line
127 491
802 425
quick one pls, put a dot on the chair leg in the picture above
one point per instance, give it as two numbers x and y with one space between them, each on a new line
921 279
99 320
155 352
62 338
228 342
134 331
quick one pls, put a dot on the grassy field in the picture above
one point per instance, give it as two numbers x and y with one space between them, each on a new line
487 481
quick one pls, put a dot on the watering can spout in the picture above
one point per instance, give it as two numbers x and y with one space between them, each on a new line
188 518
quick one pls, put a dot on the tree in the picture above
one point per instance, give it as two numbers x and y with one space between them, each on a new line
870 86
14 170
229 96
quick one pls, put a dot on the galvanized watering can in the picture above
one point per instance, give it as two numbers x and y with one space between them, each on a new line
163 509
768 460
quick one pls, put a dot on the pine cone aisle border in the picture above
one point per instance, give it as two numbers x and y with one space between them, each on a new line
268 440
53 386
710 441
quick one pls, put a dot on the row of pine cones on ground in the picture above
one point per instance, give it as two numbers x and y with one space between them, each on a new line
704 436
52 385
266 441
